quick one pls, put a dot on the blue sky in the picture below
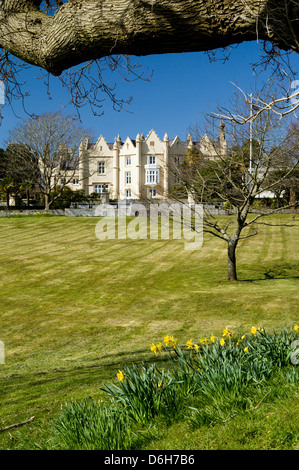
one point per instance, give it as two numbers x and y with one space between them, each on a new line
183 86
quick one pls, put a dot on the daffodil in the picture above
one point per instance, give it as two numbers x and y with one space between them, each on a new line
204 341
156 347
246 349
296 327
226 332
170 341
213 338
222 342
189 344
253 330
120 376
196 347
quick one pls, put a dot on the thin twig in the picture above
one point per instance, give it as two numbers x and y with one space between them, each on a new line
261 401
17 424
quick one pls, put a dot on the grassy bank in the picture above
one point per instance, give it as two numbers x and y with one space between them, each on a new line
75 309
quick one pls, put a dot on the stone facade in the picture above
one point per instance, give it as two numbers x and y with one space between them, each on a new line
143 168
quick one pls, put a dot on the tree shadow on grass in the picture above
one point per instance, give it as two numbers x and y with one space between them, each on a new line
273 273
121 359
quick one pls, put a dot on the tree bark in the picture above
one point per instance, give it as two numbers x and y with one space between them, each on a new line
83 30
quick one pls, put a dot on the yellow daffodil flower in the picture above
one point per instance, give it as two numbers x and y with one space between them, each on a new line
204 341
170 341
120 376
253 330
226 332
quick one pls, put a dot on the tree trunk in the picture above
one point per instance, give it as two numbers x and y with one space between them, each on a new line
90 29
47 204
292 202
231 258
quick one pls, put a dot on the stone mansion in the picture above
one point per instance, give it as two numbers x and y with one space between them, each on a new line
136 169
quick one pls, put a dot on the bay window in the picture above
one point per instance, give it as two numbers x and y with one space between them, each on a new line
151 176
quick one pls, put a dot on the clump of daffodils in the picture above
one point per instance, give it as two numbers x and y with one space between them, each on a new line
228 338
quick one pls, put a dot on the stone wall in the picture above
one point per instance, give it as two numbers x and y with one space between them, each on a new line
5 213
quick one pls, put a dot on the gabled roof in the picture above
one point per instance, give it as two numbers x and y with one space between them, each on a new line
152 134
129 141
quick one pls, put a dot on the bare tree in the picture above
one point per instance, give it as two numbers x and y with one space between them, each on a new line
53 141
235 178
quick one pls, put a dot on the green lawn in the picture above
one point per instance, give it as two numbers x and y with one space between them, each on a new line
75 309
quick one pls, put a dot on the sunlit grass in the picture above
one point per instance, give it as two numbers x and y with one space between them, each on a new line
74 309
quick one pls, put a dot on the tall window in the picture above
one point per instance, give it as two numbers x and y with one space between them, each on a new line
128 161
128 193
101 168
128 177
152 160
